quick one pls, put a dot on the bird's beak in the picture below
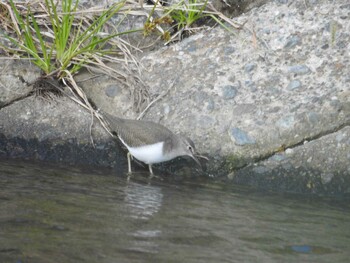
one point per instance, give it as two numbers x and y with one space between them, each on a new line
196 160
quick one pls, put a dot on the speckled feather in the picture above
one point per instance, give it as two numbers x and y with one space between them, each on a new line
138 133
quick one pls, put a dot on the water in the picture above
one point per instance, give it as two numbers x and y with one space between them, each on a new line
51 214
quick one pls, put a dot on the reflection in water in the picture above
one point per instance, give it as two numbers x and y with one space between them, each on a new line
143 200
68 215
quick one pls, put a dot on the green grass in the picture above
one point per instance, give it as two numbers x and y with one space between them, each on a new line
67 43
67 40
60 40
187 13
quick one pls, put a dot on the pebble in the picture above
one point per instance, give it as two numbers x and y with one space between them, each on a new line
229 92
294 84
286 122
313 117
251 85
229 50
112 91
192 48
240 137
249 67
211 105
292 42
301 248
299 69
278 157
166 109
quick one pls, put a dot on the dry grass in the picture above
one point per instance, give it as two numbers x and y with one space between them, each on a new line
118 52
113 57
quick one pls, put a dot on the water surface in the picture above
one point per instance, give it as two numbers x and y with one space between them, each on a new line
55 214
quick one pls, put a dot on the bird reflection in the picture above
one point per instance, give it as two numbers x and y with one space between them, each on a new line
143 200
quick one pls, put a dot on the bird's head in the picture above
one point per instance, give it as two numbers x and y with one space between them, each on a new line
190 149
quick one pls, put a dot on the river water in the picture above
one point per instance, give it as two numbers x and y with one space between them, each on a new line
55 214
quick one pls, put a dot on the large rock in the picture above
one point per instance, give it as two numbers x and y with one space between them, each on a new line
16 79
270 104
318 166
281 81
55 130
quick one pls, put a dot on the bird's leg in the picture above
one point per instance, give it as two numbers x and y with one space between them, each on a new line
151 175
129 162
150 169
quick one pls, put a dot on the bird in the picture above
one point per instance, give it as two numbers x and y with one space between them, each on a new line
150 142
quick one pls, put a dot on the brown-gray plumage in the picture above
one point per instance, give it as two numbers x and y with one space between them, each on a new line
137 134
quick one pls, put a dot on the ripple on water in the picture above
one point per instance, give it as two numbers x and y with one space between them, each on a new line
80 215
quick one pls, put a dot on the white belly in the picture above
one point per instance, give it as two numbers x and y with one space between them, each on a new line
148 154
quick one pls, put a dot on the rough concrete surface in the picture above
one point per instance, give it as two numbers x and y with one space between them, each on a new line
269 105
281 81
56 130
15 80
318 166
